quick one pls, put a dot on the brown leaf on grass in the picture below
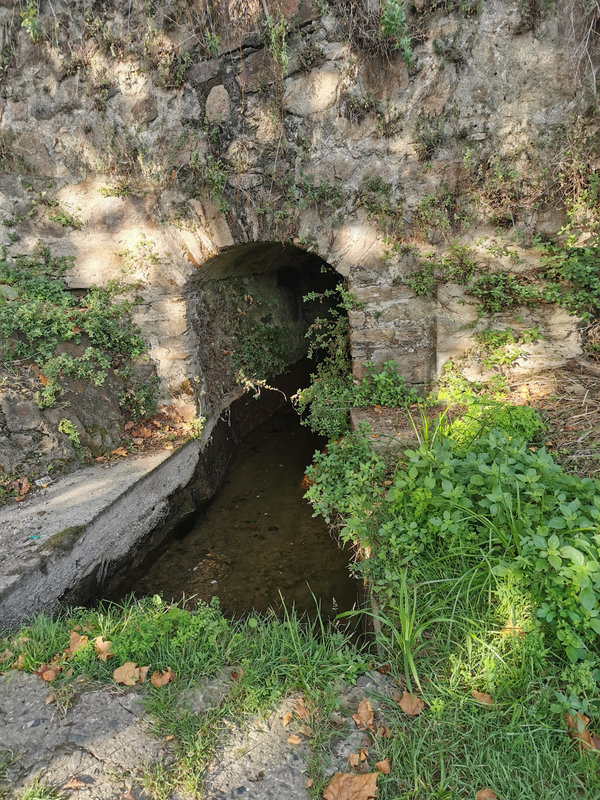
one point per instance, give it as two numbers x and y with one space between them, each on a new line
140 674
347 786
119 451
24 486
383 766
486 794
482 697
364 716
383 731
305 730
294 739
46 672
159 679
126 673
354 759
409 703
76 641
236 675
364 754
578 730
308 783
287 718
384 669
49 699
300 709
5 655
102 648
170 737
19 663
75 784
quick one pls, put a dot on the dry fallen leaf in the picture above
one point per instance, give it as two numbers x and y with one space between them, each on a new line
348 786
159 679
383 731
287 718
119 451
48 675
486 794
383 766
19 663
364 754
140 674
127 795
76 641
300 709
102 648
294 739
74 783
5 655
126 674
409 703
578 730
482 697
305 730
236 674
354 759
364 716
308 783
169 738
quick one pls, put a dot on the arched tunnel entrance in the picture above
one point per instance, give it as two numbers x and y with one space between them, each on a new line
252 540
249 314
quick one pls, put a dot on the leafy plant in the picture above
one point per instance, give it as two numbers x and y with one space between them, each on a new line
120 189
503 347
139 401
68 428
215 176
31 21
44 313
382 386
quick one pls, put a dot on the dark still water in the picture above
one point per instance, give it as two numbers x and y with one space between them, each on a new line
258 537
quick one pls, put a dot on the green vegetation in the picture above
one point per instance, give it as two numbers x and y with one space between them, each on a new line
65 219
215 177
503 347
569 278
39 313
325 404
38 790
483 556
119 189
70 431
139 401
273 657
31 21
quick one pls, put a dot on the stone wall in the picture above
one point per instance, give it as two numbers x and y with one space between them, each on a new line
177 137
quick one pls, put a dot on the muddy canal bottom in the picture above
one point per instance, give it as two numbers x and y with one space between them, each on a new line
257 541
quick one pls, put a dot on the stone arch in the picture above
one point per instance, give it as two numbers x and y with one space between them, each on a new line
247 319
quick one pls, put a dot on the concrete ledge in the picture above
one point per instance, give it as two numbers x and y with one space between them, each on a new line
71 533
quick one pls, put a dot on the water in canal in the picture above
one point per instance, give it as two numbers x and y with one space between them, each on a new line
257 539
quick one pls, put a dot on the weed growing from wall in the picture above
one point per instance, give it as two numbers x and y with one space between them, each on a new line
39 313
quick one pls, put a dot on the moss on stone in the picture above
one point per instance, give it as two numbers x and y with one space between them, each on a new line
63 540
